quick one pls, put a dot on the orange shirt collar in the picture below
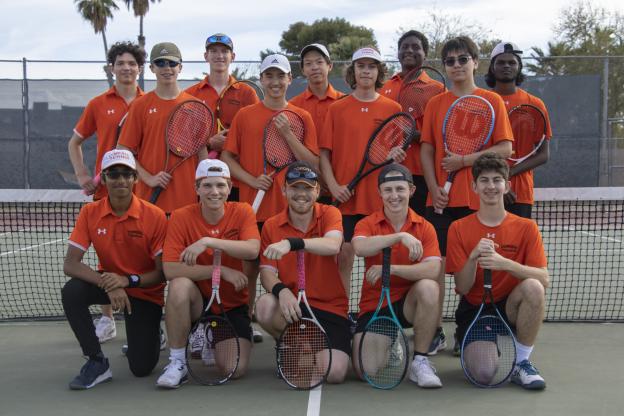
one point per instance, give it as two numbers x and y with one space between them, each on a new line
113 91
282 218
330 93
205 83
412 218
134 210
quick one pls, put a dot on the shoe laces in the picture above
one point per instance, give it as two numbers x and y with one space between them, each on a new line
426 365
528 367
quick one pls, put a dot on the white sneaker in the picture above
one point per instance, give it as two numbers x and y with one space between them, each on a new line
105 329
526 375
423 373
174 375
163 340
198 340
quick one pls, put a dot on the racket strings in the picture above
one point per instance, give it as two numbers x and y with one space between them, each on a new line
303 355
397 132
188 129
277 151
415 95
384 353
528 125
468 126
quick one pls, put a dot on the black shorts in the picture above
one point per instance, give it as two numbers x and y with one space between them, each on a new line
418 201
233 195
240 319
397 306
348 225
442 222
466 312
521 210
338 329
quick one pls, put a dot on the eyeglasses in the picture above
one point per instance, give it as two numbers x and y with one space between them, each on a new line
463 60
161 63
219 39
301 174
115 174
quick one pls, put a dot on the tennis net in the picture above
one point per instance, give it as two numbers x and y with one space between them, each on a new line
582 229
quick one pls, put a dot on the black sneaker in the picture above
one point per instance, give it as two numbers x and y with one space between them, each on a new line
438 343
92 373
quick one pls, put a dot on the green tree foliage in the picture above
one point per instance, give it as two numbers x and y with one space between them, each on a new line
140 9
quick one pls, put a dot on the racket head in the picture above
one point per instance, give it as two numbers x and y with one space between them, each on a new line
383 353
189 127
221 124
397 130
212 350
529 126
304 355
468 125
416 91
277 153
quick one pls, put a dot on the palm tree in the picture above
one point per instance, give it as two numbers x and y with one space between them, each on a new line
97 12
140 8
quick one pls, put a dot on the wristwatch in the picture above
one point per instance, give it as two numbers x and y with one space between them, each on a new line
134 280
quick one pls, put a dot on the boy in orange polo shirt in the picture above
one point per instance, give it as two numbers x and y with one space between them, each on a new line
461 58
415 267
512 248
127 234
348 126
505 76
317 228
194 232
144 134
102 117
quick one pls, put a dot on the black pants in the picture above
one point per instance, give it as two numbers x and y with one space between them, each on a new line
142 326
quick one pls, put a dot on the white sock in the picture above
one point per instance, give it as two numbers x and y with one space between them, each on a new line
177 354
523 352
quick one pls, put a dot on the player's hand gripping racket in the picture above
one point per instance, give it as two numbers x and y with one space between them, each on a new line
383 349
220 347
416 91
277 152
398 130
188 129
488 350
467 128
529 127
303 350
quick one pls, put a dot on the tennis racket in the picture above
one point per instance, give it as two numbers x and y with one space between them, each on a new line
188 129
384 351
398 130
488 350
303 349
416 92
277 152
219 346
529 127
221 123
467 128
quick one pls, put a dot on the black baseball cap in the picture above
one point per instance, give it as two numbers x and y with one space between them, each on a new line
399 173
301 172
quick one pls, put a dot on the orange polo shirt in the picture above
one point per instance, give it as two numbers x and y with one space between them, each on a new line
324 288
377 224
102 116
461 194
144 134
517 239
315 106
348 126
124 245
245 141
522 184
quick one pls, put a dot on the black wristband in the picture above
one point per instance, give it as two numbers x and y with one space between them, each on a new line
277 288
296 243
134 280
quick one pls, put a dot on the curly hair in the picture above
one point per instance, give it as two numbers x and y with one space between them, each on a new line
488 162
382 70
120 48
423 40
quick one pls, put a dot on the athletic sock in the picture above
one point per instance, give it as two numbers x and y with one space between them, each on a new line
523 352
177 354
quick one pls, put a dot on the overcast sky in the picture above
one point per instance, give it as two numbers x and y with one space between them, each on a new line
52 29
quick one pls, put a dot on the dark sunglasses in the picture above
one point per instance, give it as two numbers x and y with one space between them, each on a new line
115 174
219 39
463 60
161 63
301 174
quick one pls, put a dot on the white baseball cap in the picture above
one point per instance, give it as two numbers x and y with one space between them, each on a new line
208 168
118 157
367 52
276 60
505 47
316 47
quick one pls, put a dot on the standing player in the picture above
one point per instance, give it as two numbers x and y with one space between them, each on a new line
348 126
244 154
461 59
505 76
414 270
316 65
194 232
413 47
102 116
127 234
512 248
317 229
144 134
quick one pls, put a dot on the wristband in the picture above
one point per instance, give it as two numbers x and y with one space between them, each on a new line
134 280
296 244
277 288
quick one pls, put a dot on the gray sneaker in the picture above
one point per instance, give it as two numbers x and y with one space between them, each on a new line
438 343
92 373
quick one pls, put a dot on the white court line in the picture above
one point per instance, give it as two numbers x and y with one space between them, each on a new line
615 240
314 401
8 253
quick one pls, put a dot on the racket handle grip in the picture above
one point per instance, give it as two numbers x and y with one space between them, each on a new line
96 182
447 188
213 154
155 194
258 200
